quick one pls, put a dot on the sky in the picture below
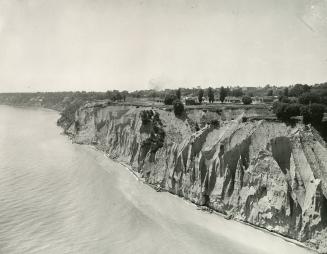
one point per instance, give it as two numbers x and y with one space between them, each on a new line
100 45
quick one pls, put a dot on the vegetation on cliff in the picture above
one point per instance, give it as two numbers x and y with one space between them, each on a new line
311 113
178 108
152 124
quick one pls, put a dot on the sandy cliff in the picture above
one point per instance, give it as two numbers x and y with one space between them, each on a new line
264 173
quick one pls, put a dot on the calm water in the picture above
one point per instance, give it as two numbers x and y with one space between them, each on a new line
58 197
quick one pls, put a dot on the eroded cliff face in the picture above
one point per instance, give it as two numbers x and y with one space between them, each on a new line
264 173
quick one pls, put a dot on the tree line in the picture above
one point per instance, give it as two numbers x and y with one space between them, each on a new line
211 94
302 100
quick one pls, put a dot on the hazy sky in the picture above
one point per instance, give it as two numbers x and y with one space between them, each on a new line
125 44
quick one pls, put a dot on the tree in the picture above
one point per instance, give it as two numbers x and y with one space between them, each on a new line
284 99
285 111
178 108
108 95
223 94
246 100
275 106
229 92
313 113
299 89
308 98
178 93
153 94
169 99
280 110
114 95
293 109
200 95
286 92
237 92
270 93
211 95
124 94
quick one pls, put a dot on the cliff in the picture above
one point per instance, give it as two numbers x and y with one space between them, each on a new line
261 172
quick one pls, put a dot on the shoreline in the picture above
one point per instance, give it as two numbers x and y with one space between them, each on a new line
33 107
208 210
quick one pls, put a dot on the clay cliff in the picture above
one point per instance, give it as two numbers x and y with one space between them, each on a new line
261 172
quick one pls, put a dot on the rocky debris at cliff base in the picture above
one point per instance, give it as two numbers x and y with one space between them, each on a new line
204 208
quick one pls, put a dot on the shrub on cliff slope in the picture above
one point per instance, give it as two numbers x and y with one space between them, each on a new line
215 123
178 108
146 116
157 133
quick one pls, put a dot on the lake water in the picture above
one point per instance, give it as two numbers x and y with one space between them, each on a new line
59 197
